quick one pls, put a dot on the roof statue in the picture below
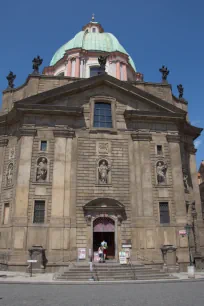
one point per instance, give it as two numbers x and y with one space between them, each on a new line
180 90
165 72
37 61
102 62
93 18
11 77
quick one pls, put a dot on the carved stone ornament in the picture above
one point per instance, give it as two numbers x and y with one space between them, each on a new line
88 219
103 170
103 148
9 174
120 219
161 169
12 153
41 173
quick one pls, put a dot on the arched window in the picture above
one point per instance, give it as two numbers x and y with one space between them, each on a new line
102 115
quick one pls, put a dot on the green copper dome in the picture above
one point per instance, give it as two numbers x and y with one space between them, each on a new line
106 42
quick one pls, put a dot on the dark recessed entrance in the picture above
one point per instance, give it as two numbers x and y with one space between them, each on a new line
104 229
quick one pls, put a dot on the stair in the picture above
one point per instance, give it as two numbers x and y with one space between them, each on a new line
111 272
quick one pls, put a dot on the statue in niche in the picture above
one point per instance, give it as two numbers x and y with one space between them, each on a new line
161 169
103 171
9 175
185 181
41 173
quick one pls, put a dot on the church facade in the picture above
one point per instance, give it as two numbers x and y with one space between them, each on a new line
87 155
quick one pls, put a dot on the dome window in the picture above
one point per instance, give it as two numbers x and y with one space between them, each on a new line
94 30
94 70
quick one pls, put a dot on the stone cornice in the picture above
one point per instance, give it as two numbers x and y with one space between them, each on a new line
173 138
136 114
189 147
141 136
26 131
3 142
64 133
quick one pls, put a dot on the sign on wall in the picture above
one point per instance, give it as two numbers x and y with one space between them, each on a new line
182 232
81 253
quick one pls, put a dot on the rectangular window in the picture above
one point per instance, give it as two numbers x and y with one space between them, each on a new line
6 213
164 213
94 70
43 145
39 211
102 115
159 150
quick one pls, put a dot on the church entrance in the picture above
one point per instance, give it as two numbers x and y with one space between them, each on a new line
104 229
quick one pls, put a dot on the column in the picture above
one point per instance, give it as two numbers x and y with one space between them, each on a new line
194 178
132 170
69 67
177 177
67 185
77 68
23 174
124 72
118 70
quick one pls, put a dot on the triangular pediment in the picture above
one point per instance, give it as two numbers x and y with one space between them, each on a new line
125 93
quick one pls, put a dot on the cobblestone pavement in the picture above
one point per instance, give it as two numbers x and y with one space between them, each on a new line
158 294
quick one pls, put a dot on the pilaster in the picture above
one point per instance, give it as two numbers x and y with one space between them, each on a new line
23 174
143 174
177 178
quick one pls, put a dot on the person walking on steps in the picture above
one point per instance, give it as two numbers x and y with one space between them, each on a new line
100 254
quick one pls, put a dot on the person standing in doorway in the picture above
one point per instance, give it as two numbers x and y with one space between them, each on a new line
104 246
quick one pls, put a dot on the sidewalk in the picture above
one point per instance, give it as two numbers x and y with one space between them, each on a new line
47 279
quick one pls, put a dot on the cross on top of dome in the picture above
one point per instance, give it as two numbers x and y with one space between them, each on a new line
93 17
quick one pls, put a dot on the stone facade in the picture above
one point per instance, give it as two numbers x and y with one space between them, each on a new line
148 158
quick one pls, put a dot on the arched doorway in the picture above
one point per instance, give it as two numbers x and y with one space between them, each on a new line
104 229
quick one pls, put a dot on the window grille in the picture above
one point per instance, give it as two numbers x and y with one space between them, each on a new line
102 115
164 213
39 212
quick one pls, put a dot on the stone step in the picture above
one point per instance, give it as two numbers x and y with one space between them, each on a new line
112 273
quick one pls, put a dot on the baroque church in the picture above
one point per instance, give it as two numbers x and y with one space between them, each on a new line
89 151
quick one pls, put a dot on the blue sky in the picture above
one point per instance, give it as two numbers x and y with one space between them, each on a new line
155 33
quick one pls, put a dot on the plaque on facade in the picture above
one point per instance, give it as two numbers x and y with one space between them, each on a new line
103 147
81 253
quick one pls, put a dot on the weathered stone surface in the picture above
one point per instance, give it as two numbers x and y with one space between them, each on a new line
144 117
